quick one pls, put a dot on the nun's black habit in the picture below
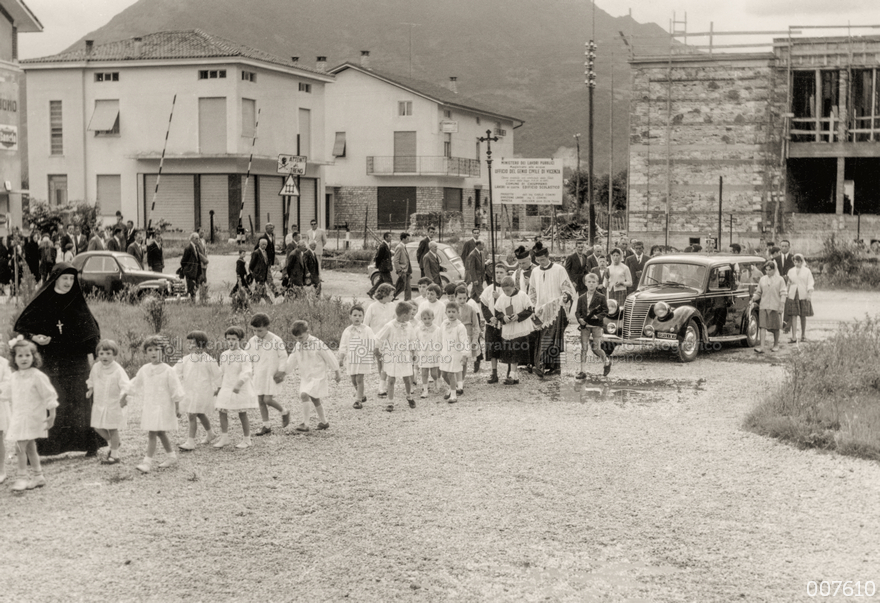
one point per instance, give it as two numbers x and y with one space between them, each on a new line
65 318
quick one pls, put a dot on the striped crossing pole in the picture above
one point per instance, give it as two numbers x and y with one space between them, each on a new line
248 176
161 163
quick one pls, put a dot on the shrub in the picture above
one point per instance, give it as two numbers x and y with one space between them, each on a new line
829 397
153 308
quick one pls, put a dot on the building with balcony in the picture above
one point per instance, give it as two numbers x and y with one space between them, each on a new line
793 133
401 146
15 18
98 118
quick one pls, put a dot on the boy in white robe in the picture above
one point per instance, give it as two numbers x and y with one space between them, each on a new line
315 362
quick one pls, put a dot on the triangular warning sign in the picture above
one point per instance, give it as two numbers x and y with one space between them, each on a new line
289 189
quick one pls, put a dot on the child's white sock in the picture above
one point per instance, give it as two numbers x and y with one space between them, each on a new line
267 424
461 384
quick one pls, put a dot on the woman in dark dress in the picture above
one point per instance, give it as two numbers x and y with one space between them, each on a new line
5 272
59 321
32 254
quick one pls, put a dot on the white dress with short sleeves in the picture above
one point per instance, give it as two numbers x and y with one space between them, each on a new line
396 343
315 362
160 389
356 348
199 374
269 356
31 395
107 384
237 370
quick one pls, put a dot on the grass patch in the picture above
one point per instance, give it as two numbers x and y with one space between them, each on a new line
830 397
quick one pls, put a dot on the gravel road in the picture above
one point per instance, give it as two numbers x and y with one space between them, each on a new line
641 488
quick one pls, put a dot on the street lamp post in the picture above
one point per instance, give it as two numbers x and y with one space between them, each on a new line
590 81
489 139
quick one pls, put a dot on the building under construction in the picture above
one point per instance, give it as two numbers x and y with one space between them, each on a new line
787 140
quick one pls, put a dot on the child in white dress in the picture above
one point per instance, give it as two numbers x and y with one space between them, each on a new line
269 354
428 349
158 386
434 303
454 340
5 373
106 384
379 314
356 352
315 361
396 342
236 391
468 317
31 395
200 376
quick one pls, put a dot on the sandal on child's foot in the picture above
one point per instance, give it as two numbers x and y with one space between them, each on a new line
302 427
169 462
358 405
267 430
323 425
412 403
38 482
285 419
459 391
20 484
189 445
448 394
424 395
383 394
144 467
389 408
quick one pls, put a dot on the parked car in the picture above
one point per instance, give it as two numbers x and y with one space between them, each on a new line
109 272
450 262
688 301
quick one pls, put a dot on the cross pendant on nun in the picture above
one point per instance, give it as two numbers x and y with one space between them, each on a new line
60 326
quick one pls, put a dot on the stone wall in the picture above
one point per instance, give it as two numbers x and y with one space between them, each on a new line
724 121
807 232
353 204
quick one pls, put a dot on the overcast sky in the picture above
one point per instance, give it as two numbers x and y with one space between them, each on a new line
65 21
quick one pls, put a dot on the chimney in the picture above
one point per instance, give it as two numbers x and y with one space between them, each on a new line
90 44
294 59
137 47
453 84
365 59
322 64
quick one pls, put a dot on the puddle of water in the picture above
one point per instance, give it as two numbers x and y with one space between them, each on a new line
621 392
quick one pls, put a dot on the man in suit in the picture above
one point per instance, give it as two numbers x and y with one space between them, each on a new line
318 237
67 238
191 265
312 266
403 268
423 247
97 243
269 237
784 262
475 270
79 240
383 262
577 266
623 244
470 244
296 266
431 267
593 258
137 247
116 241
636 264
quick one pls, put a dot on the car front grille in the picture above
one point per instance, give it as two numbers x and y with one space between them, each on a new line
178 287
634 317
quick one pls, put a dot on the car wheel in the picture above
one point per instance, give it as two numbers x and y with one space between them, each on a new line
751 339
689 346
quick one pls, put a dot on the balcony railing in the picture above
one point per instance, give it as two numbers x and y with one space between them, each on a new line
420 165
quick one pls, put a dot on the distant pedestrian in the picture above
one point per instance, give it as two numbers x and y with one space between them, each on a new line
154 253
241 274
771 294
191 266
403 268
319 238
383 262
799 300
431 266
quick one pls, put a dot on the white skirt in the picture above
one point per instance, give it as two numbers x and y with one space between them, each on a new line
243 400
107 416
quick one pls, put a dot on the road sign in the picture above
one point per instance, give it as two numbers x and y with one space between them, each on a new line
527 181
289 189
292 164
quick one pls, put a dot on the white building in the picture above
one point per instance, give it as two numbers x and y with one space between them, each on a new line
15 18
98 117
401 145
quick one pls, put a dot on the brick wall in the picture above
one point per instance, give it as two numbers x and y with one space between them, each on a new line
352 204
724 122
429 198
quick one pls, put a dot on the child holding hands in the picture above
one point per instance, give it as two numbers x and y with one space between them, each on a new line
269 355
106 384
161 391
31 396
396 343
315 361
236 391
200 376
356 348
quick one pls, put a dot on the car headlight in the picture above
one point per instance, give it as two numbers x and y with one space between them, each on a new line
613 306
611 328
661 310
649 331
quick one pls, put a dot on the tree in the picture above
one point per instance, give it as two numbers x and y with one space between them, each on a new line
600 190
47 218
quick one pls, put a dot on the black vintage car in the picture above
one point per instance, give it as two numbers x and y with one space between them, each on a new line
109 272
688 302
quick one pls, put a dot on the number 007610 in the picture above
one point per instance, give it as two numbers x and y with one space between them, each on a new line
848 588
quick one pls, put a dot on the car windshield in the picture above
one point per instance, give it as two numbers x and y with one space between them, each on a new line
687 275
128 263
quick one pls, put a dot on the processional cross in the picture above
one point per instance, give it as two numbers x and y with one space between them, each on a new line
60 325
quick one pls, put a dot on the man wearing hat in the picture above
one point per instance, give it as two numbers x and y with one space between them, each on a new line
577 266
551 292
636 264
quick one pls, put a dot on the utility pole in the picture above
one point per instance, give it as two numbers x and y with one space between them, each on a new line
489 139
591 85
577 174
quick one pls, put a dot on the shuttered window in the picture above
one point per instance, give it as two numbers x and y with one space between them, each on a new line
248 117
105 117
214 189
175 200
339 145
305 132
212 126
56 128
109 193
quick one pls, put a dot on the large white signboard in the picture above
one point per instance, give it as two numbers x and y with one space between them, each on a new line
527 181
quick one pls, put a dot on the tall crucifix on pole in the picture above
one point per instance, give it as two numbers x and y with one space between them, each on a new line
489 139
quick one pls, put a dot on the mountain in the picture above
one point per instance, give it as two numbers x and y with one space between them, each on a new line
526 61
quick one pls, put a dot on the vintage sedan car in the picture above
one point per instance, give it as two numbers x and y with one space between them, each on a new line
109 272
450 262
689 302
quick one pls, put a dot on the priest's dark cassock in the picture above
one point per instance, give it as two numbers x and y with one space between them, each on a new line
74 332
